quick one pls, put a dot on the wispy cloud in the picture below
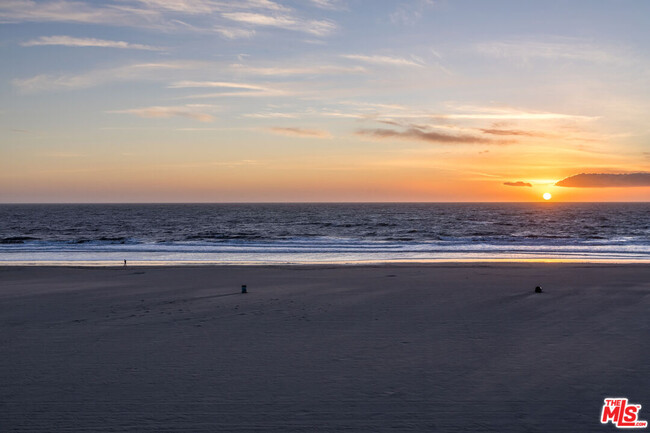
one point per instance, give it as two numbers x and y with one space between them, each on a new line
208 84
253 4
123 12
60 10
297 70
70 41
515 132
383 60
373 106
498 113
271 115
563 49
410 13
200 112
287 22
398 114
428 136
606 180
328 4
164 15
518 183
235 33
300 132
242 89
190 7
138 71
514 115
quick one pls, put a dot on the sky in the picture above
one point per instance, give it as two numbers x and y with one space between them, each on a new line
324 101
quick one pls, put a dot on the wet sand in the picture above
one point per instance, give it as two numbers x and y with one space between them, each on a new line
423 347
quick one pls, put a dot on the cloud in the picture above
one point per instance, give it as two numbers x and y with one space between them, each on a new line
300 132
522 115
374 106
518 183
190 7
287 22
433 137
243 89
328 4
164 15
383 60
134 72
204 84
70 41
148 13
606 180
516 132
253 4
507 113
61 10
235 33
400 114
192 111
124 12
271 115
409 14
297 70
563 49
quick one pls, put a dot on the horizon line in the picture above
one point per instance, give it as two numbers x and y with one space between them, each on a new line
310 202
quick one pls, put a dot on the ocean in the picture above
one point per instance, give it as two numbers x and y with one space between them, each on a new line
323 233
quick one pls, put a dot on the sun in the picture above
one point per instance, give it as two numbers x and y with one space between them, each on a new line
547 196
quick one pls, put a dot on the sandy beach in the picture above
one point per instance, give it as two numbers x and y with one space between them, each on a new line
436 347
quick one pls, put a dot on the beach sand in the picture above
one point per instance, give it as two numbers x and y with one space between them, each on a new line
373 348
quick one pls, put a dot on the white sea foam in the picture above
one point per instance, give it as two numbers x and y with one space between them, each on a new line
315 250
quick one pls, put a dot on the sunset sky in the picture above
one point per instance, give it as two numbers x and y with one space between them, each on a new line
324 100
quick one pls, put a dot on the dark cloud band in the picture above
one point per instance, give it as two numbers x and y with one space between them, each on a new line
434 137
605 180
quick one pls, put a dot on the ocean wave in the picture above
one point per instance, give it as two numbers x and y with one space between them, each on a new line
17 239
358 249
328 231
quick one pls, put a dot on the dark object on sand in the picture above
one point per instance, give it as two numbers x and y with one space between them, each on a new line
538 289
243 288
125 263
